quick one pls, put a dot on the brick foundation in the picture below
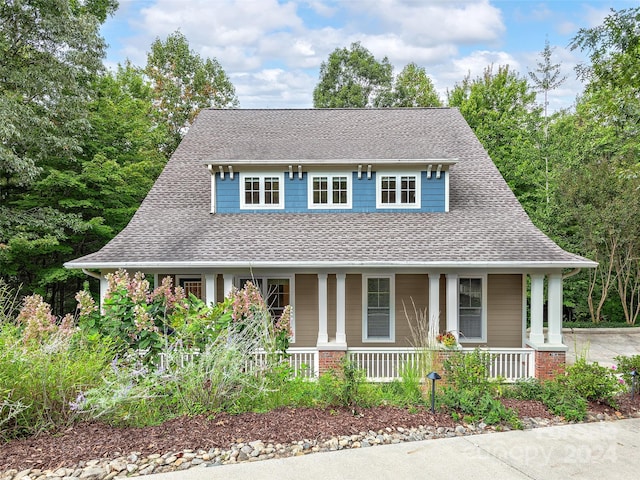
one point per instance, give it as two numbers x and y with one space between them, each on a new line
549 364
329 360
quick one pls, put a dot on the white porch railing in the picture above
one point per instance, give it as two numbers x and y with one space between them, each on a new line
387 364
303 361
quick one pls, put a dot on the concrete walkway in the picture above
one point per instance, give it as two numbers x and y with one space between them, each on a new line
599 451
601 345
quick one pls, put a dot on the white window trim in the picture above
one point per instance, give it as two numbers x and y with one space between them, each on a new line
483 320
329 204
392 310
398 174
262 205
292 294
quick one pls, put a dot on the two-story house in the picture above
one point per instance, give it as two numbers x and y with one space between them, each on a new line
351 215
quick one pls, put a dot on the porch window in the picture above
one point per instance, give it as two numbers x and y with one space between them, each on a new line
261 191
472 309
398 190
276 293
378 306
329 191
190 285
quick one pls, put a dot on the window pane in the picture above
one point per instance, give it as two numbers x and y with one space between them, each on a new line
378 307
470 307
251 190
320 188
388 190
277 296
408 189
339 187
271 190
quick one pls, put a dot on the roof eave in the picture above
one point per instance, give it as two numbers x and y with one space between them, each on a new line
537 265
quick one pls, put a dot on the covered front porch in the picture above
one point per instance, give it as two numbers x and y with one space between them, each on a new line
332 316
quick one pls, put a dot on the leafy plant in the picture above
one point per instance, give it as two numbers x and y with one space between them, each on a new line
591 381
468 370
625 366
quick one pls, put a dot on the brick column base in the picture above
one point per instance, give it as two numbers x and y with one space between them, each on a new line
329 360
549 364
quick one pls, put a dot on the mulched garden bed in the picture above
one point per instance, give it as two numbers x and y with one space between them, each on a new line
88 441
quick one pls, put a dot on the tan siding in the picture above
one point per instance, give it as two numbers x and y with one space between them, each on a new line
410 290
504 311
306 310
353 318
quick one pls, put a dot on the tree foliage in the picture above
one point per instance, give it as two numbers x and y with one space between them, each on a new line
353 78
413 88
183 84
500 108
49 53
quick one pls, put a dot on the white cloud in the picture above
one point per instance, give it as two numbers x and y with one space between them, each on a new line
272 50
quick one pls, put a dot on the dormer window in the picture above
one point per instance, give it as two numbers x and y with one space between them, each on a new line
329 191
261 191
398 190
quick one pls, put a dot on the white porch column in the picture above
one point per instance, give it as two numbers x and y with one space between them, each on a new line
554 306
536 336
210 287
323 336
434 298
452 304
104 285
228 283
341 307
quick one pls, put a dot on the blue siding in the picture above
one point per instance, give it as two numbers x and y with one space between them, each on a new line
363 195
228 194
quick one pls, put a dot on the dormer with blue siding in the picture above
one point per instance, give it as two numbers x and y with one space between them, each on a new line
330 186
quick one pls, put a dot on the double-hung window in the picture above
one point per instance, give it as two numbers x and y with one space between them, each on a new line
262 191
397 190
329 191
378 309
472 309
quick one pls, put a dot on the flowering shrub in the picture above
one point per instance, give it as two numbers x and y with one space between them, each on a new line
448 340
133 315
247 304
39 323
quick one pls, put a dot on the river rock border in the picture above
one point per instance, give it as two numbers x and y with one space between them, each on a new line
133 464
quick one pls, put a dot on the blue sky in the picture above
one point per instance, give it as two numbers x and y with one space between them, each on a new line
272 50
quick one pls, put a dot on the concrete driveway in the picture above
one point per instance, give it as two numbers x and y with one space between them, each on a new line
601 345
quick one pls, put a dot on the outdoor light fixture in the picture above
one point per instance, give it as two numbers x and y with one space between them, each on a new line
634 379
433 376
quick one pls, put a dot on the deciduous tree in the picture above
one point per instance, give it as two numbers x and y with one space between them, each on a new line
183 84
353 78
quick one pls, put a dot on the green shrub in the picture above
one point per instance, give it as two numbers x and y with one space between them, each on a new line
476 404
43 379
625 366
468 370
561 400
527 389
592 381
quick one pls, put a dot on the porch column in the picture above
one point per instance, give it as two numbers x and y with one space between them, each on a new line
323 336
341 335
210 287
228 283
452 305
536 336
554 312
434 299
104 286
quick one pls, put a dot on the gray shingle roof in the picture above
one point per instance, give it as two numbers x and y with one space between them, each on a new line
486 225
